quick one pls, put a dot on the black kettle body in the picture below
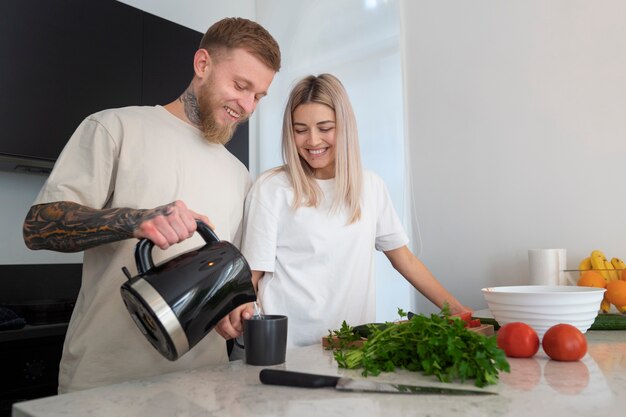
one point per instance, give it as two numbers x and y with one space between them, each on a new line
177 303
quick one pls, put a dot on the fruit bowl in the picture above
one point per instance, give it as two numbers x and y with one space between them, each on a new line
543 306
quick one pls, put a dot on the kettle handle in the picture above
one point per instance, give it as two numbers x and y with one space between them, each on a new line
143 250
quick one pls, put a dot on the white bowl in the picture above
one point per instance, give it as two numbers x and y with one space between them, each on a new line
543 306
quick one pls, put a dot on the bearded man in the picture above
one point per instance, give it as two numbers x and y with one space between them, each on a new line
150 172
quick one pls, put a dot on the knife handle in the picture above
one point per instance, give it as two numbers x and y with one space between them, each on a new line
296 379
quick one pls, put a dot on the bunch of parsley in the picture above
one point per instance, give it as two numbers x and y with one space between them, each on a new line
437 345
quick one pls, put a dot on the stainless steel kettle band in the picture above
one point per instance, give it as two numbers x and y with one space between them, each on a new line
164 313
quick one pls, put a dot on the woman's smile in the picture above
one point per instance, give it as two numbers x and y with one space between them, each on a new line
314 133
317 152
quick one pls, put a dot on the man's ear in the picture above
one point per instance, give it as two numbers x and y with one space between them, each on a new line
202 63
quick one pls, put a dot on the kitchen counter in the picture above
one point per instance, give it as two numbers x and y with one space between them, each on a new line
536 387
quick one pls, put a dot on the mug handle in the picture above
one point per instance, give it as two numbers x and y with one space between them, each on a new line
143 250
257 311
238 344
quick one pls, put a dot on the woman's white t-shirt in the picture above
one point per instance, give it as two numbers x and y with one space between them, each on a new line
319 270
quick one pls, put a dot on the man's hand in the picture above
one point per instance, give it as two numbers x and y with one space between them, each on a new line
231 326
169 224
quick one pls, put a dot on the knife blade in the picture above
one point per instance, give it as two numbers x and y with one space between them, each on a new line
304 380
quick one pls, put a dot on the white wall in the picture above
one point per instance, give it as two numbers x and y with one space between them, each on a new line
195 14
516 118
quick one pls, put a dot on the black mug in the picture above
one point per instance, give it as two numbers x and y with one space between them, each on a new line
265 339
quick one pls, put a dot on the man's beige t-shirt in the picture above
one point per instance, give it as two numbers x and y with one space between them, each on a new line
137 157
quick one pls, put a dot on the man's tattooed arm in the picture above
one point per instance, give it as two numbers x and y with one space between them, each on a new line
65 226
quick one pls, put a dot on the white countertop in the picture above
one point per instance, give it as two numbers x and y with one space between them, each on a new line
536 387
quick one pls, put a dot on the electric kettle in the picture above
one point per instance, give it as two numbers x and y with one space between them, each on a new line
178 302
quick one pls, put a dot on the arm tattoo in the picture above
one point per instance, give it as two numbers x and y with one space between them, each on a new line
190 104
65 226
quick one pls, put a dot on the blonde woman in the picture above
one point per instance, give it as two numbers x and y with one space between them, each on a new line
311 226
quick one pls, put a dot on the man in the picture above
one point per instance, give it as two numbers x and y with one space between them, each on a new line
150 172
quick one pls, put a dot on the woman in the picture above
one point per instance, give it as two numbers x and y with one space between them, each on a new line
311 225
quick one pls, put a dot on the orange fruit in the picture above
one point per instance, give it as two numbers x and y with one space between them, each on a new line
623 274
616 294
591 278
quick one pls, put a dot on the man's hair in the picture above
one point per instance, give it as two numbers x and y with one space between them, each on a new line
325 89
237 32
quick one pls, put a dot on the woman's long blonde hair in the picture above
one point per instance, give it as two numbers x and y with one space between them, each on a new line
325 89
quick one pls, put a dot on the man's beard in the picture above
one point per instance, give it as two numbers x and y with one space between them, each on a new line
213 131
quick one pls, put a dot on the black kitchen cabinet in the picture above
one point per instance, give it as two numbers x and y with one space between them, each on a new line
167 55
30 368
65 59
30 355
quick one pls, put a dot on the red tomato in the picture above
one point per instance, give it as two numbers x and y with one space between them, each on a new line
564 342
518 340
467 319
475 323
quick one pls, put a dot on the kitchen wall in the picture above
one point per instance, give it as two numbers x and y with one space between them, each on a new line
516 123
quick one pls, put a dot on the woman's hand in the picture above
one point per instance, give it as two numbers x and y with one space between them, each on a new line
457 310
231 326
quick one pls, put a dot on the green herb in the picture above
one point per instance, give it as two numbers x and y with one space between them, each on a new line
438 345
344 337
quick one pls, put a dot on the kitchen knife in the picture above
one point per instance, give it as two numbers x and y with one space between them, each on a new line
302 380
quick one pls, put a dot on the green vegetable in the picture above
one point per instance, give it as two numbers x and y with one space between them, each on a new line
438 345
606 321
603 321
345 336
